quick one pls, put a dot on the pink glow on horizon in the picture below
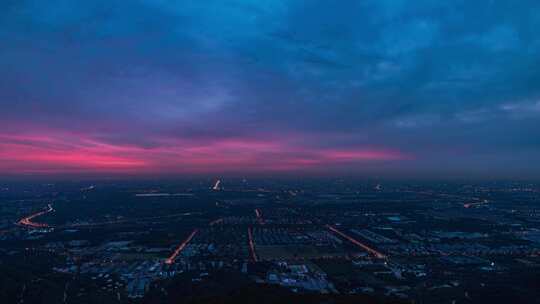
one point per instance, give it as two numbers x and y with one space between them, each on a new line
57 152
345 155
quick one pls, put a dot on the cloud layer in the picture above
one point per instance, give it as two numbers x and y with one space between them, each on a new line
430 88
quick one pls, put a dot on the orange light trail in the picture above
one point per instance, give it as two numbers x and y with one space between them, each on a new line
216 185
175 254
215 222
376 253
252 246
258 213
27 221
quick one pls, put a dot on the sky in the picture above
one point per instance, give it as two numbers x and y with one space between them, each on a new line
373 88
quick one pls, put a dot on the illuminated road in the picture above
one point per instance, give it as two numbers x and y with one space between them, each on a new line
140 219
252 246
175 254
258 213
357 243
475 204
215 222
27 221
216 185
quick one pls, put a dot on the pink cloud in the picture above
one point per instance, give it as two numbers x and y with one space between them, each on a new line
56 151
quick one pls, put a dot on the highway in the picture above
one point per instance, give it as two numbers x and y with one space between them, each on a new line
27 221
124 221
181 247
374 252
260 219
215 222
216 185
252 246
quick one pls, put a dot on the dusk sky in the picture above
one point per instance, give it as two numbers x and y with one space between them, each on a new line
260 87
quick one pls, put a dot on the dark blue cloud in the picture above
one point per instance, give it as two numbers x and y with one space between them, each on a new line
441 80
